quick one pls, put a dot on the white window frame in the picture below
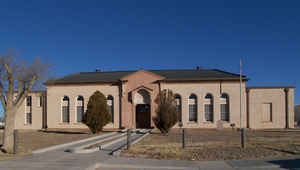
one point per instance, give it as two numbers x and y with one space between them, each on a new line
180 104
208 101
196 103
224 101
113 107
61 115
25 115
76 115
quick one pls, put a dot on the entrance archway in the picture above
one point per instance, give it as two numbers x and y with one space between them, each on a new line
143 109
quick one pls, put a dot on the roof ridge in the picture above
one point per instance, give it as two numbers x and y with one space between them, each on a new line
146 70
108 71
228 72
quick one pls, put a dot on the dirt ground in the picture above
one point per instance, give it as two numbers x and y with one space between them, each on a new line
30 140
218 145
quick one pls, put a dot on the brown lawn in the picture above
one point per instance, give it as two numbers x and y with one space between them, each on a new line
30 140
218 145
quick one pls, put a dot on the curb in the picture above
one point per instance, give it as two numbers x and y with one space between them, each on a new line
111 143
254 164
69 144
139 139
118 151
85 150
81 149
100 165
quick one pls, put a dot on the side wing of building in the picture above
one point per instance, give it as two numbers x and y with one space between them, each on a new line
270 107
32 113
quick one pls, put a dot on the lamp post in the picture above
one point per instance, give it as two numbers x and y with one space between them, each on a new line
243 131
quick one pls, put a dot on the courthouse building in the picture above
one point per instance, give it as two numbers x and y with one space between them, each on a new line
206 98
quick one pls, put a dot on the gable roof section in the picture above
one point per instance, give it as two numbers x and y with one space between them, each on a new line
168 75
142 71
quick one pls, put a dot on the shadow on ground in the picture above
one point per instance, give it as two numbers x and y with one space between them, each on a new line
295 152
292 164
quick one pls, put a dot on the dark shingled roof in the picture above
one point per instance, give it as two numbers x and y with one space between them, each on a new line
170 75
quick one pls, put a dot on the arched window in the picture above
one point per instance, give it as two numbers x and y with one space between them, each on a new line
79 108
193 111
224 107
178 106
66 110
110 104
209 108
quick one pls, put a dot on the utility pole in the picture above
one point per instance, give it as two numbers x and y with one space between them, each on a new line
243 139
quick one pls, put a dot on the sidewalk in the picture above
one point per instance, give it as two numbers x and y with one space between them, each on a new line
56 157
128 163
101 160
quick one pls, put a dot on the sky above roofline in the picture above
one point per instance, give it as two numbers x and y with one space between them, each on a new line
81 36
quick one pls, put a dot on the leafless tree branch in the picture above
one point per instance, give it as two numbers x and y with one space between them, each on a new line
16 80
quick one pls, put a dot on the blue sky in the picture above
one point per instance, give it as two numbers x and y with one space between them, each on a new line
77 36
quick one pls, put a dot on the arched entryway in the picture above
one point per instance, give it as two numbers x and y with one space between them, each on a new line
143 109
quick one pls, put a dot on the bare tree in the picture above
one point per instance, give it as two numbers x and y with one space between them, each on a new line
16 79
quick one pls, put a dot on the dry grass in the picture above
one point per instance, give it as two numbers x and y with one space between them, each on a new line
30 140
218 145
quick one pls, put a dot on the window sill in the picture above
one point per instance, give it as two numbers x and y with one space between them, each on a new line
224 121
78 123
208 122
266 122
64 123
192 122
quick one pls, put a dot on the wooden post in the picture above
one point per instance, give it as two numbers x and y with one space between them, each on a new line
128 138
16 141
183 138
243 136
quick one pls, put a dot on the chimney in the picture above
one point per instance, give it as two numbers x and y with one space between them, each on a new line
98 70
198 68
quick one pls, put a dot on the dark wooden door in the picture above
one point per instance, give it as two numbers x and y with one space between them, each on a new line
143 117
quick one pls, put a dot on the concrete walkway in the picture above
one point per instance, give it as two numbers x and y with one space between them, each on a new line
148 164
101 160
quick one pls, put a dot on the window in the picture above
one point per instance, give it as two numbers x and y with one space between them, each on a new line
41 101
28 110
28 101
79 109
178 107
267 112
224 107
28 118
209 108
193 108
66 110
110 104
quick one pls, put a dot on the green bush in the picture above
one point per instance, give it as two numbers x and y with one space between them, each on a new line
166 112
97 114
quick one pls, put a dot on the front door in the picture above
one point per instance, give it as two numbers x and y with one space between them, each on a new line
143 117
